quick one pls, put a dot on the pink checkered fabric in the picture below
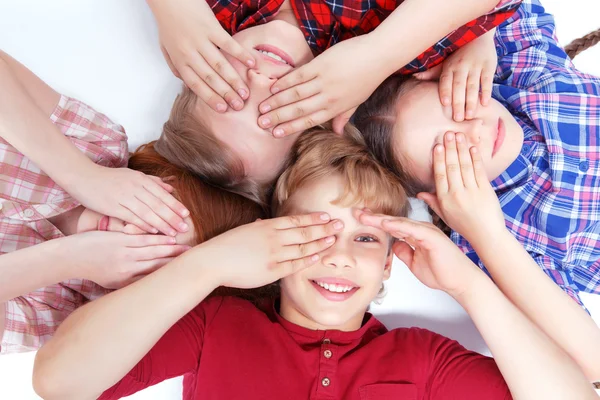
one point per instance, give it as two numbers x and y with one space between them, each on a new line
28 198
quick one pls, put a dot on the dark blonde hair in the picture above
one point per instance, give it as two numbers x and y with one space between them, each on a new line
321 153
187 142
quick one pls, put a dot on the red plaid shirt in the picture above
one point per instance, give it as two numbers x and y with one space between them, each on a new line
325 23
28 198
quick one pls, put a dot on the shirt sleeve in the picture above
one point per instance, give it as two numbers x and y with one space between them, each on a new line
93 133
177 353
560 274
31 320
464 374
529 55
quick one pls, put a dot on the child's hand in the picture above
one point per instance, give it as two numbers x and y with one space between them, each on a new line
334 83
463 73
264 251
191 37
464 198
114 259
142 200
433 258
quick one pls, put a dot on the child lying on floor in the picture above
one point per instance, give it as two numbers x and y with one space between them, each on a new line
539 138
315 339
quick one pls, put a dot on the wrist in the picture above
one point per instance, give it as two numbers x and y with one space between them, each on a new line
487 237
57 253
478 284
376 50
195 265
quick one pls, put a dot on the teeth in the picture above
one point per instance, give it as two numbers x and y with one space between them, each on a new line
273 56
332 287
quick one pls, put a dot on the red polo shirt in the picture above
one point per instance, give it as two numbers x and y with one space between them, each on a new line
230 349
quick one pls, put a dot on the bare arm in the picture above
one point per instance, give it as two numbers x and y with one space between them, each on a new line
26 102
31 268
25 105
533 366
532 291
397 31
117 330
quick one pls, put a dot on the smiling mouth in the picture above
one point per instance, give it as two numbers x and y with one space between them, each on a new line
335 292
275 55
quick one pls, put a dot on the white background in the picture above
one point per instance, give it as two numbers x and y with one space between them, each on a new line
105 53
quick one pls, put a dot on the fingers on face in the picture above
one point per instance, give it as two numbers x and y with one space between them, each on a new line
478 167
300 75
466 164
297 221
445 87
453 172
227 43
132 218
292 95
167 206
227 82
459 86
290 112
202 89
487 80
472 95
305 250
302 124
145 212
307 234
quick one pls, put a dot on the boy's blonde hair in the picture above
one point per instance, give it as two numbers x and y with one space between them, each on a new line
320 152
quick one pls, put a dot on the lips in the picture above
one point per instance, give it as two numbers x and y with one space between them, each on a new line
277 51
335 289
499 137
103 223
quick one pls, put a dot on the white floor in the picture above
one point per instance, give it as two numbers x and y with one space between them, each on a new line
105 53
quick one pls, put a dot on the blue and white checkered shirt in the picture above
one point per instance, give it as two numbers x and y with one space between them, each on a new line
550 194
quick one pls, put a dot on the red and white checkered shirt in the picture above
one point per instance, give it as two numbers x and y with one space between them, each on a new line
28 198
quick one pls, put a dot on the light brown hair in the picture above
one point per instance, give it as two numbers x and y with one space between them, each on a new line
212 210
187 142
320 153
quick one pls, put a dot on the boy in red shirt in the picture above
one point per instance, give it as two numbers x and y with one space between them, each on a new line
316 339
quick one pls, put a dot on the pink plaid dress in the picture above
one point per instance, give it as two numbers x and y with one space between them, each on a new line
28 198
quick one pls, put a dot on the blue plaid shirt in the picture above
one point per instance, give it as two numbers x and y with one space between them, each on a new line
550 194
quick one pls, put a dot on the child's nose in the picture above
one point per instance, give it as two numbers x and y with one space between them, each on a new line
472 131
259 80
338 256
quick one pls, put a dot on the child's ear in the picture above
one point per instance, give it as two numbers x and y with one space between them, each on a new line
387 269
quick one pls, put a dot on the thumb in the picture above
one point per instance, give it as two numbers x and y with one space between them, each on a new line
432 201
341 120
169 61
404 252
430 74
